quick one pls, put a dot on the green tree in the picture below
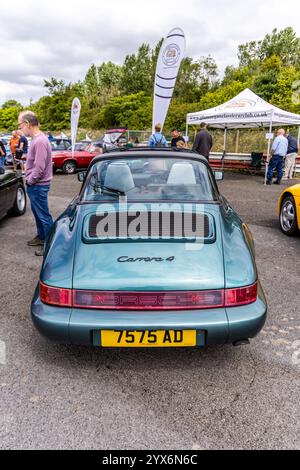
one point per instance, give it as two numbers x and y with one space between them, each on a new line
283 43
283 91
11 104
137 72
241 74
9 118
54 110
247 53
176 117
132 111
220 95
154 59
102 83
264 83
195 78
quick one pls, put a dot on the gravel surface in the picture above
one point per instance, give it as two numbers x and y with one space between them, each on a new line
60 397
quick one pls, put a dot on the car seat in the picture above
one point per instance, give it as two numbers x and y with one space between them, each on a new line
182 174
118 176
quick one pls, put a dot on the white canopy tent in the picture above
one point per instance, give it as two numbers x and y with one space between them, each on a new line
246 110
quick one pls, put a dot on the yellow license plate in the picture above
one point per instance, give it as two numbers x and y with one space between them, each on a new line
148 339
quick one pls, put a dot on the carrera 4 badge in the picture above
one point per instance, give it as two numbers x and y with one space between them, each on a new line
126 259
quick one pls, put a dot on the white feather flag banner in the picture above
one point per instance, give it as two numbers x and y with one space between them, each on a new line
75 114
170 56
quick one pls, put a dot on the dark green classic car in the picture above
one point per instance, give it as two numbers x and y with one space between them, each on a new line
12 194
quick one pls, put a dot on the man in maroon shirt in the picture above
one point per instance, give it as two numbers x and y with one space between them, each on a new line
38 177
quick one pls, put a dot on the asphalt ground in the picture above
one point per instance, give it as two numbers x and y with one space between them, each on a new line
67 397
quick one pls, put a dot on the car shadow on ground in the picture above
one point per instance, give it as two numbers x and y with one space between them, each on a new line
142 358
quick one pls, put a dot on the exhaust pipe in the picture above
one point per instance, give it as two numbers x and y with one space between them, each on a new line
241 342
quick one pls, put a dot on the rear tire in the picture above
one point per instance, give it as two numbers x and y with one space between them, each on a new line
288 216
19 207
69 168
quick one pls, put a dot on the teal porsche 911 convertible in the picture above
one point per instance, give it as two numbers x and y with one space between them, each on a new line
149 254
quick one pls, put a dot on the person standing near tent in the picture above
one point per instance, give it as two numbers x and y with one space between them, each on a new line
203 141
157 139
279 151
292 154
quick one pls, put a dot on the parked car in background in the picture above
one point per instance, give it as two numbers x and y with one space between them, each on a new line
79 146
59 144
5 140
289 210
12 194
112 139
69 163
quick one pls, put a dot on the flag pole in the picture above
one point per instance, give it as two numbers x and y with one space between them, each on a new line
224 147
269 147
187 130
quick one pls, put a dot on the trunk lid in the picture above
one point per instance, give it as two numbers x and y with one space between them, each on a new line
148 264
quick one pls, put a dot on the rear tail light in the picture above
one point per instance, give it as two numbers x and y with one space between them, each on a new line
241 296
181 300
55 296
148 300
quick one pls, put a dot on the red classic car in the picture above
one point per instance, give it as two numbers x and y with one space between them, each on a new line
69 163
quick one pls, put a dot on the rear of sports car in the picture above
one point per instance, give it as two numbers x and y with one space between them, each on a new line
155 290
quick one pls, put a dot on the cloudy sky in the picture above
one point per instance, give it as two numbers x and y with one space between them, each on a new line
60 38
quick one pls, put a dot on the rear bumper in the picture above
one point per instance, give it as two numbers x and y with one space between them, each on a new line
83 327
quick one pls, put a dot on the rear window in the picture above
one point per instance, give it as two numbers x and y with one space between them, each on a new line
149 179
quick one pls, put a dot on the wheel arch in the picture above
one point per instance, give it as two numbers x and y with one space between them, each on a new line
14 210
283 196
296 200
68 160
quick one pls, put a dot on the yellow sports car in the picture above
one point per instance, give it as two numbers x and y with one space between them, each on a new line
289 210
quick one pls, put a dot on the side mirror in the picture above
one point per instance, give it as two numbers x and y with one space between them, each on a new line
219 175
81 176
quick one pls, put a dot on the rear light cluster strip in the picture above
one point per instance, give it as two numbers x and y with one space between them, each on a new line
181 300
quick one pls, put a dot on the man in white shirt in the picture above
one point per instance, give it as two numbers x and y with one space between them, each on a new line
279 151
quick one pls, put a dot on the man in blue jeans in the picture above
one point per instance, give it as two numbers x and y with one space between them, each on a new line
279 151
38 177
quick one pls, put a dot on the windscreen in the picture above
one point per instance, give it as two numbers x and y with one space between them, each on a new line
149 179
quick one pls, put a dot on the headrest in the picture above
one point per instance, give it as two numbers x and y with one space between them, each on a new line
182 173
119 177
